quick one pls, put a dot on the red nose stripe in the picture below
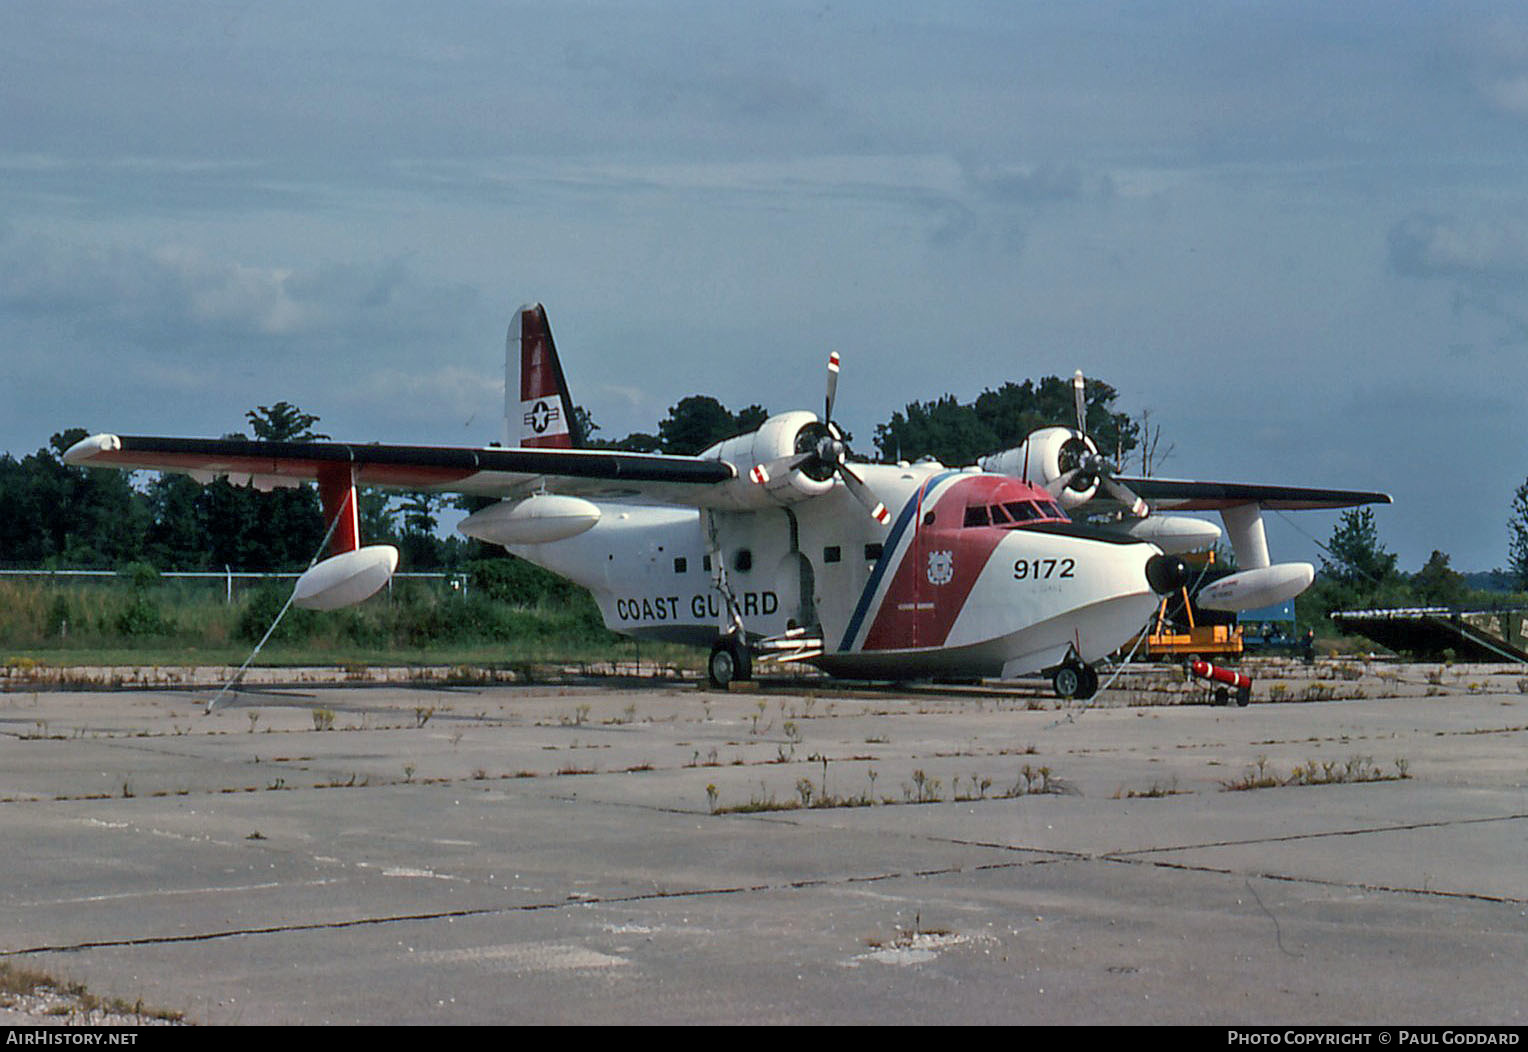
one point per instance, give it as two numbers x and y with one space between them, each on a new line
931 587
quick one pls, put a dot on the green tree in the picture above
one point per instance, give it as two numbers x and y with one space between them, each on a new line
177 536
1358 557
68 516
222 524
696 423
1438 585
1517 537
959 433
283 422
582 429
693 425
420 548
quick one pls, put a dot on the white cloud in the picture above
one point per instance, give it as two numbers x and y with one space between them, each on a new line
1429 246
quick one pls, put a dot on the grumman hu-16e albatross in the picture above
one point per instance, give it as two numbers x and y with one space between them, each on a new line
773 546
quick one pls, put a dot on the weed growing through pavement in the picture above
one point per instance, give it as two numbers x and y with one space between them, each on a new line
1157 791
922 789
1314 772
71 1000
907 938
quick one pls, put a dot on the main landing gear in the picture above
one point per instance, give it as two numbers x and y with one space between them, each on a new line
730 661
1075 680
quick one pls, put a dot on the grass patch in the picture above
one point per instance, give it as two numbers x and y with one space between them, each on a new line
921 789
71 1000
1317 772
1156 792
176 622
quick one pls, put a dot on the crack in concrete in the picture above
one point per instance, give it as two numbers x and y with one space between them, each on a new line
1051 856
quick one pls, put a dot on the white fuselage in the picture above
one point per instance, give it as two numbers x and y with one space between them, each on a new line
925 594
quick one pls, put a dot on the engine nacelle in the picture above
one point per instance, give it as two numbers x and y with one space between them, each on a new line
346 579
1174 534
1045 456
781 436
1251 589
537 519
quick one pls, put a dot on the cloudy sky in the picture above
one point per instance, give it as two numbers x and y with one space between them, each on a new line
1296 233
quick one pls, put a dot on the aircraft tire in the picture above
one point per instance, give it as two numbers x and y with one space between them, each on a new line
1222 696
1089 685
729 663
1067 681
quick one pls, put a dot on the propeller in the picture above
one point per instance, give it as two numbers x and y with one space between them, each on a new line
821 453
1082 465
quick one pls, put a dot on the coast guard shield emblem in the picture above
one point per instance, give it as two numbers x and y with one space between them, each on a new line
941 567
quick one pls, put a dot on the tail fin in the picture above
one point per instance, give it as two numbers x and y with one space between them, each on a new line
537 409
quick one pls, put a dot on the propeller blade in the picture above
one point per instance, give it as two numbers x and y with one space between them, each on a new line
1056 485
864 494
832 387
762 473
1079 397
1122 493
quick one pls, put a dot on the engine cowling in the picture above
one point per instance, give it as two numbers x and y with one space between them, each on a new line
779 437
1044 457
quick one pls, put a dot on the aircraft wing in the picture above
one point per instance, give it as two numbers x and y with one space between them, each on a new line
1183 495
489 472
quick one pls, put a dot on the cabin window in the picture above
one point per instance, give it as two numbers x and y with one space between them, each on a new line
928 520
1022 510
976 515
742 562
681 564
999 516
832 554
873 552
705 563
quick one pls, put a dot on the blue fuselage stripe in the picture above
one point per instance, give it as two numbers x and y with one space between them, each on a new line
888 555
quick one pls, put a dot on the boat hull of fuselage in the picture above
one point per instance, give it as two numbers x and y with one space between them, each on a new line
1030 649
979 603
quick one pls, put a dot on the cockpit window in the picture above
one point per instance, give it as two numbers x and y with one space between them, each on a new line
1013 513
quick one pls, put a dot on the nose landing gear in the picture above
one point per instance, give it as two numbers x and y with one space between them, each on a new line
1075 680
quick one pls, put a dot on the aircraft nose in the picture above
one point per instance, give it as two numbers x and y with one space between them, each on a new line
1166 573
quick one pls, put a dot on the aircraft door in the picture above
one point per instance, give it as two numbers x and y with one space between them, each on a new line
796 584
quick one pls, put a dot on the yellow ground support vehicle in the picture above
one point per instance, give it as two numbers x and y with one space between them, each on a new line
1177 633
1168 639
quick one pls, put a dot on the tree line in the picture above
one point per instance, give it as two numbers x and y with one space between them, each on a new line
60 516
63 517
953 432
